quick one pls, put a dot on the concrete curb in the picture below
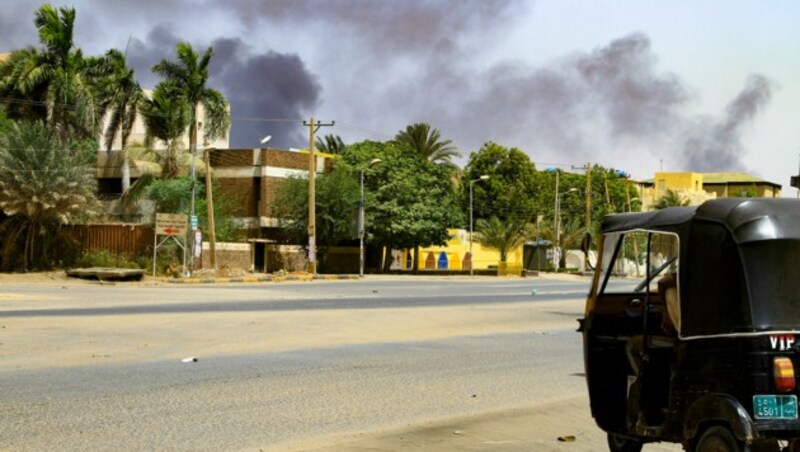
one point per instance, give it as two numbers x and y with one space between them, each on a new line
335 277
259 279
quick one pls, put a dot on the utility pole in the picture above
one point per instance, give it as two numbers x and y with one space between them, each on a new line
557 219
312 208
588 169
212 235
588 196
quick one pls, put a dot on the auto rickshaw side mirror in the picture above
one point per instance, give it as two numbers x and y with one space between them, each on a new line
586 242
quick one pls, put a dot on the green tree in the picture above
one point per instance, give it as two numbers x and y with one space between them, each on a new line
411 200
609 192
514 188
120 96
332 144
427 143
165 118
173 195
337 196
501 235
41 187
187 80
671 198
55 76
572 232
5 124
18 106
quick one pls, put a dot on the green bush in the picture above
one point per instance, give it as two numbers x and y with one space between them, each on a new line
104 258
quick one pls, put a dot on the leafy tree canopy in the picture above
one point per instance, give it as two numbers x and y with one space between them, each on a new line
171 195
337 196
174 196
409 201
514 188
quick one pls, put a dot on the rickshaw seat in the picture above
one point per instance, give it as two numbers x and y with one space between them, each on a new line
635 347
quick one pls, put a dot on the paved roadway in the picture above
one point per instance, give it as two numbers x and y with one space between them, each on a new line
373 293
302 396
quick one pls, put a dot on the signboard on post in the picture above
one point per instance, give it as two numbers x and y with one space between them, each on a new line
171 224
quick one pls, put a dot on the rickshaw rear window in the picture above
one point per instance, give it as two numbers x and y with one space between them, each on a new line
773 276
626 257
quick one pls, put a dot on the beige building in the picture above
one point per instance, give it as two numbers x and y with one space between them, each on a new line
700 187
138 133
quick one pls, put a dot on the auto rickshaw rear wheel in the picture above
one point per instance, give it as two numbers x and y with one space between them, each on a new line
719 439
619 443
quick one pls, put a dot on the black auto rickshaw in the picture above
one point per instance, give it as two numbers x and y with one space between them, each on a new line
691 327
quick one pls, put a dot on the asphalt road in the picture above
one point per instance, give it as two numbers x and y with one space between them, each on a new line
272 399
405 293
259 401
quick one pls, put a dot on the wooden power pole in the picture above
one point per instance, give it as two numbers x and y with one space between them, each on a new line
312 208
212 235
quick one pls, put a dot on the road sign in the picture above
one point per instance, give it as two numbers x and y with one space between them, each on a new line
170 224
194 222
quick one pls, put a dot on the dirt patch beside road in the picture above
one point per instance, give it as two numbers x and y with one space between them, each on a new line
566 425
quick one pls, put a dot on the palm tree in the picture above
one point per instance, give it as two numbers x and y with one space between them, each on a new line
165 118
670 199
502 235
55 77
427 143
332 144
122 97
27 106
41 187
186 78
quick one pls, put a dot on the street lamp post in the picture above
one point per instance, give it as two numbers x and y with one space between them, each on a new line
472 256
558 223
191 223
361 225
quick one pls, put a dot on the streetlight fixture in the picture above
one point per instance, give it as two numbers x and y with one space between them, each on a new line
361 225
266 139
472 256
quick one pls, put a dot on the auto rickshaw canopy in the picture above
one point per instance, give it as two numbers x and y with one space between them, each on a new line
739 269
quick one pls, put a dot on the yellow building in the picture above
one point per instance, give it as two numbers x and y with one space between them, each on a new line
700 187
455 256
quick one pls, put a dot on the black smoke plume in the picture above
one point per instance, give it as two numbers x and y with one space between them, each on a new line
715 144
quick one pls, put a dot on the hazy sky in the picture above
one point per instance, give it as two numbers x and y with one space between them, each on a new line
635 84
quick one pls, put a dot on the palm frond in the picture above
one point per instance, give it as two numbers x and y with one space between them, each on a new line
427 143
